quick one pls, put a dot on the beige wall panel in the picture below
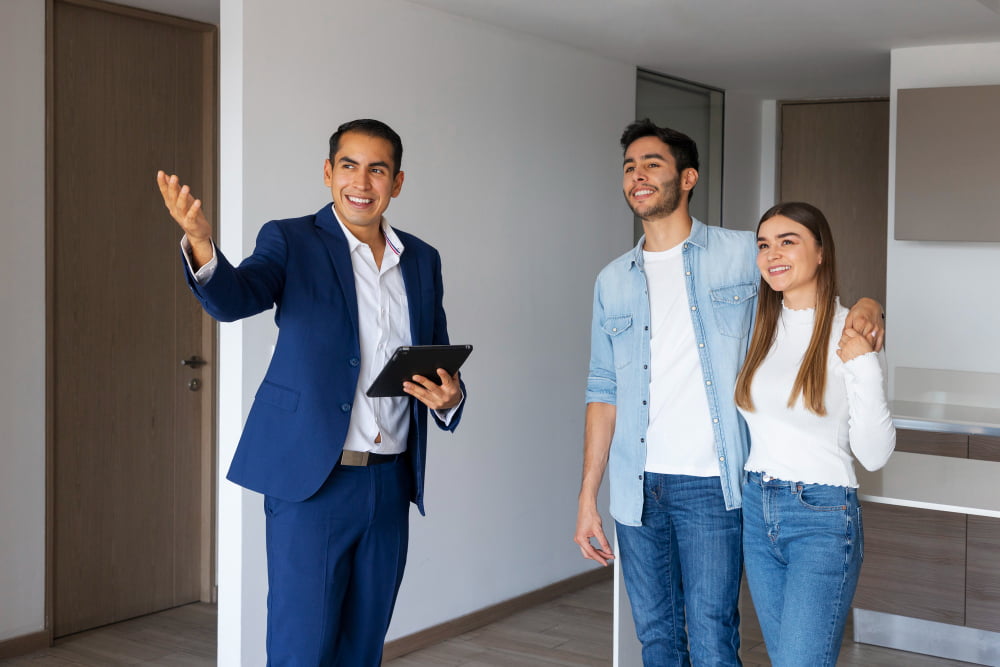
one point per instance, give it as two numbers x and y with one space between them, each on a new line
948 164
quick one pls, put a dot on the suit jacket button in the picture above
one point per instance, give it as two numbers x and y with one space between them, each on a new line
354 361
345 407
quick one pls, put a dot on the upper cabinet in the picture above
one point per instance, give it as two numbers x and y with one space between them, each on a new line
948 164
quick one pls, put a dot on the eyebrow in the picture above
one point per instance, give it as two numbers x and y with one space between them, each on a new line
780 236
355 162
644 157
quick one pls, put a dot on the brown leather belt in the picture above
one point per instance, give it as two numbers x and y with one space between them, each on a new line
352 458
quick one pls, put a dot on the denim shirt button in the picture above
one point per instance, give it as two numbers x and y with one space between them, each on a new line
708 383
694 307
722 458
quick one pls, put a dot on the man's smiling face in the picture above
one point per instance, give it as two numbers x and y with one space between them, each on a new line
361 179
650 181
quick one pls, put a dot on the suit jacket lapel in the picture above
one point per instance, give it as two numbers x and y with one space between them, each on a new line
340 256
411 280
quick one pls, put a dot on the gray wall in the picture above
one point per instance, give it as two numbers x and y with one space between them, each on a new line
513 173
22 301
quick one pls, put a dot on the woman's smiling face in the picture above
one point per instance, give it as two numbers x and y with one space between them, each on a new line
788 256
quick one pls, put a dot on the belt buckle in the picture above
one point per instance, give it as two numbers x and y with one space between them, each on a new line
349 457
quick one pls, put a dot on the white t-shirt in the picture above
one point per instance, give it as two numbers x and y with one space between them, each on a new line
797 445
679 438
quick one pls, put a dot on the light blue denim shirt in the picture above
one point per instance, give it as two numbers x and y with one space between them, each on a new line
721 277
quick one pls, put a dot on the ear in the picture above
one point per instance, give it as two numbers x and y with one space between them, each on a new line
397 184
327 173
689 178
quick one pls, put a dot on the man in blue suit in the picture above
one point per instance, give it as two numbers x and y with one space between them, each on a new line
338 469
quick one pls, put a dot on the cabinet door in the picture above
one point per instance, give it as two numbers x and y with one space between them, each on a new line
914 563
932 442
982 588
984 447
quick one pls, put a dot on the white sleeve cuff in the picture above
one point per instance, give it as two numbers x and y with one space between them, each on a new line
205 273
447 415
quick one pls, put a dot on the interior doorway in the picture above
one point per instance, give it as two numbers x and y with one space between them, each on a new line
131 453
835 155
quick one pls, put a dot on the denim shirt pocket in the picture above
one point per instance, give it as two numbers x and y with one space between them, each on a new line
619 330
733 308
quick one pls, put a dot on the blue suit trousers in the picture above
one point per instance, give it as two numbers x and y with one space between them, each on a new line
334 565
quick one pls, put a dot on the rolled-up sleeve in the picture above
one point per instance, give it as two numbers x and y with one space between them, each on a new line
602 386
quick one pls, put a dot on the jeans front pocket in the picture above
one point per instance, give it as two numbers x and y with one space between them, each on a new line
822 497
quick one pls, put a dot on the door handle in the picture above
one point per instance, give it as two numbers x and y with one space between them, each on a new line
194 362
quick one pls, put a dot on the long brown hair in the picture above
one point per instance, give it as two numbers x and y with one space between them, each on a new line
810 382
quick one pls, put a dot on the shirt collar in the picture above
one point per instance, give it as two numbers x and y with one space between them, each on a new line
698 237
392 242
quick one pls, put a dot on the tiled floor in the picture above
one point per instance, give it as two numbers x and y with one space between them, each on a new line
573 630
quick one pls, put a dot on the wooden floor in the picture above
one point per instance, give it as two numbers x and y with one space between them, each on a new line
573 630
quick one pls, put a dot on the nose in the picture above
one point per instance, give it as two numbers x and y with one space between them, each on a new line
361 178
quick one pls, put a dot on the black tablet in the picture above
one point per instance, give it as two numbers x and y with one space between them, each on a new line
424 360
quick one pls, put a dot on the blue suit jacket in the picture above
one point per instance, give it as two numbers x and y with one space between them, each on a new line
295 431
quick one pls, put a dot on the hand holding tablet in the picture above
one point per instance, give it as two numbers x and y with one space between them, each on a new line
417 360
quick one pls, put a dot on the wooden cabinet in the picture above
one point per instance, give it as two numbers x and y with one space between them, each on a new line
984 447
982 584
960 445
932 442
937 566
914 563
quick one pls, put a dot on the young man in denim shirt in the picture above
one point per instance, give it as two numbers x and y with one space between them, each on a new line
671 324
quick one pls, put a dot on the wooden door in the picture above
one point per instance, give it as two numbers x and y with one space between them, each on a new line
130 92
835 155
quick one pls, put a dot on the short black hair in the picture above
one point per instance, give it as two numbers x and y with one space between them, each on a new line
682 147
371 128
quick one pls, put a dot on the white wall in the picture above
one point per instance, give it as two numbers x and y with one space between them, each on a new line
512 168
941 300
742 176
22 302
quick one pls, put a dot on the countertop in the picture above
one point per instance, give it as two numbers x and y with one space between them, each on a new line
945 418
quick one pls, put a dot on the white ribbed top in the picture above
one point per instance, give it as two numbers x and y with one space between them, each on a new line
795 444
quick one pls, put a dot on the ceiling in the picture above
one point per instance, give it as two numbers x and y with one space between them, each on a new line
780 49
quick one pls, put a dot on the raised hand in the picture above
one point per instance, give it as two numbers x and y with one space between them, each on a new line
187 213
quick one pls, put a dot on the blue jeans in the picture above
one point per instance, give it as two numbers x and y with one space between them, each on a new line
682 566
803 545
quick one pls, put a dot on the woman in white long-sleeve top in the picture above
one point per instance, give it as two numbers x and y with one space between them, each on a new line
814 401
